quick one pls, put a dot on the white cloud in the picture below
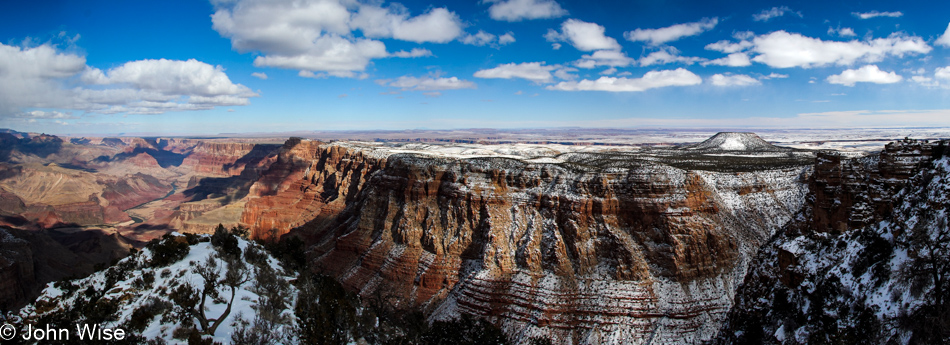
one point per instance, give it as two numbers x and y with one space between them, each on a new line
170 77
317 35
667 55
843 32
564 73
671 33
731 60
614 58
743 35
414 53
42 77
874 14
482 38
925 81
729 47
39 114
774 75
260 75
774 12
507 38
407 83
479 39
650 80
944 40
438 25
783 50
517 10
866 74
733 80
583 36
942 73
32 77
533 71
609 71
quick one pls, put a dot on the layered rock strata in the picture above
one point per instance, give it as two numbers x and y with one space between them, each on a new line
617 255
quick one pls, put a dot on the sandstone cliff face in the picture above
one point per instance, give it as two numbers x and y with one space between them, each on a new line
225 159
309 182
612 256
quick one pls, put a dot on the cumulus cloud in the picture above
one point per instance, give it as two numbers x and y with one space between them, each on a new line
40 114
874 14
866 74
731 60
667 55
438 25
733 80
409 83
507 38
843 32
517 10
774 12
318 35
42 77
260 75
671 33
942 73
774 75
944 40
650 80
533 71
169 77
613 58
583 36
729 47
482 38
32 77
414 53
783 50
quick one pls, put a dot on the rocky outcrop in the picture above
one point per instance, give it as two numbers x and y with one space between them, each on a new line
30 259
852 193
855 265
17 279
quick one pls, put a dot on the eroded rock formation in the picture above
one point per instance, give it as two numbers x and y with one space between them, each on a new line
611 255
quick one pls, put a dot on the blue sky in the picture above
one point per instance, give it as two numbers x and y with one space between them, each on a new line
192 67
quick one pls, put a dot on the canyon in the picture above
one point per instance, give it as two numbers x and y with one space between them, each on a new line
581 244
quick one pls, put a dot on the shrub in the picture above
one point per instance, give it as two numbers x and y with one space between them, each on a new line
168 250
225 242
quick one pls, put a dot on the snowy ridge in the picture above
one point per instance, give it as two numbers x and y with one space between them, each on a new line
133 284
874 283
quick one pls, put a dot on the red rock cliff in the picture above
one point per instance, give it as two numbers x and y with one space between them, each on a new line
309 182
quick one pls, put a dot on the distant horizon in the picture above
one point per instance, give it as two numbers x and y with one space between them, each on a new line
588 134
242 66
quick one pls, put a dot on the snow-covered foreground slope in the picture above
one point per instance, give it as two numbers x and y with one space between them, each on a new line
147 297
884 278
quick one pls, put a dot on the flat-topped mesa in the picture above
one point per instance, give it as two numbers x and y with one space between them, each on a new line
735 141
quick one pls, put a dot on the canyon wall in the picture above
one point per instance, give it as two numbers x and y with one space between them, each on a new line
616 255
